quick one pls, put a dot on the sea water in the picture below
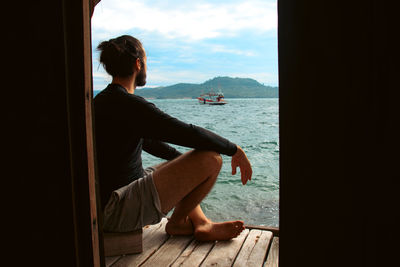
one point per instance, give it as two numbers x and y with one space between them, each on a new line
252 124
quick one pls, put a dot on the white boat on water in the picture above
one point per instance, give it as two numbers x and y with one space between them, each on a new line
212 98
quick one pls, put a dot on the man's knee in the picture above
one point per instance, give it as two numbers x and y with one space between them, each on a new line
211 159
217 158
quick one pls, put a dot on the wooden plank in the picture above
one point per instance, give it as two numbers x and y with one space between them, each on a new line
87 59
273 255
169 252
224 252
194 254
110 260
274 230
78 79
254 249
153 238
147 231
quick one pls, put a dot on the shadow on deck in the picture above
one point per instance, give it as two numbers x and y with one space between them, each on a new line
253 247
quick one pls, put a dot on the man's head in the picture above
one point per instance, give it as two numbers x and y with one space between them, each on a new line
122 56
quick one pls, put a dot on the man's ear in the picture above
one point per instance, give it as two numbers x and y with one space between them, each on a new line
138 64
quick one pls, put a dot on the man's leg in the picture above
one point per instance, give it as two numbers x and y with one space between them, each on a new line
183 183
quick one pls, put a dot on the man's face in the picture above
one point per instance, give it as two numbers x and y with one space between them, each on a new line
141 76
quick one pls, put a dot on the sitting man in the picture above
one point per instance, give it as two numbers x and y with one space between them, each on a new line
126 124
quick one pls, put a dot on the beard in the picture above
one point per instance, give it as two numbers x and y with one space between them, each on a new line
141 78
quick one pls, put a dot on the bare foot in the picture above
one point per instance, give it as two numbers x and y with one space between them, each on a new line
179 228
218 231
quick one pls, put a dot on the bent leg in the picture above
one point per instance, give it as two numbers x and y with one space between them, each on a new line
183 183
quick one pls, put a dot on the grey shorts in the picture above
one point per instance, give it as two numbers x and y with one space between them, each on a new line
133 206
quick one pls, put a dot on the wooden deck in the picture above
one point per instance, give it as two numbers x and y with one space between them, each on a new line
253 247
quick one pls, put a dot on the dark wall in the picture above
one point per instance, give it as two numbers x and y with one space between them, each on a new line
42 98
338 67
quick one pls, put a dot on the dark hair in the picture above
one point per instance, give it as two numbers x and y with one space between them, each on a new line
119 55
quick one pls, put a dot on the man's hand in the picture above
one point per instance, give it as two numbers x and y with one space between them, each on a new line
239 159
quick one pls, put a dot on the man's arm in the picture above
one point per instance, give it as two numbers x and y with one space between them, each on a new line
158 125
172 130
160 149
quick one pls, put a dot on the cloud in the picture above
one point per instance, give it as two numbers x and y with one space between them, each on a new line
192 21
193 41
164 76
101 75
224 49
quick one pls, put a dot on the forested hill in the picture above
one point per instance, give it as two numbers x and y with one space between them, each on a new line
231 87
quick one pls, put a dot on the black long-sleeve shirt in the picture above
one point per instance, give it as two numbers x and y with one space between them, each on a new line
126 124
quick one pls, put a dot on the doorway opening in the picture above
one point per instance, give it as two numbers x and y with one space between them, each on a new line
193 48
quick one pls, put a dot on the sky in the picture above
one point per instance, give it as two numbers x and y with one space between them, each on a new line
193 41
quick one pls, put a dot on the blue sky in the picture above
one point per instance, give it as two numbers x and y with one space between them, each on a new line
193 41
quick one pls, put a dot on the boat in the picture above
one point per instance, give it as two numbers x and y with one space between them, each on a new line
212 98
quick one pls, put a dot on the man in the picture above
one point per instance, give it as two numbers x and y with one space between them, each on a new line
126 124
